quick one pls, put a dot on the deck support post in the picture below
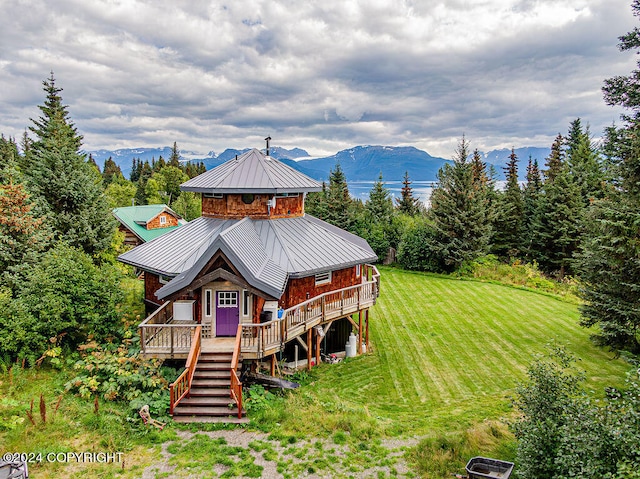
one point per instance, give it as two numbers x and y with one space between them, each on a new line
309 349
366 322
273 364
359 332
318 341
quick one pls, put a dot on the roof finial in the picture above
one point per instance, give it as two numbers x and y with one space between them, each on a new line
268 139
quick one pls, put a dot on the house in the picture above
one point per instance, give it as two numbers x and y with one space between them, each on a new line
146 222
249 278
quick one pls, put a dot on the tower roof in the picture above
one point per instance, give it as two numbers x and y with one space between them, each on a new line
252 172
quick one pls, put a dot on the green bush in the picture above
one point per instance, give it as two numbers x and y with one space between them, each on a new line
64 298
119 376
564 433
415 251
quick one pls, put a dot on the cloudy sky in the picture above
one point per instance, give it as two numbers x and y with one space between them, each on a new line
320 75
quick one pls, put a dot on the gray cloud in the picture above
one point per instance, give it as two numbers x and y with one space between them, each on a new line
319 75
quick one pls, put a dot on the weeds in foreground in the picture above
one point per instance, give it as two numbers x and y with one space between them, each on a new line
436 456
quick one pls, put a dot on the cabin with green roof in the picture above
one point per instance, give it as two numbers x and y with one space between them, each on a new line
146 222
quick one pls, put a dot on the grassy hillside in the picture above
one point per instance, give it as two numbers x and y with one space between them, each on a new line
447 353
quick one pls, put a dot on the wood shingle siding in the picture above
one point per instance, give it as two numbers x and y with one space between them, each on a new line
298 288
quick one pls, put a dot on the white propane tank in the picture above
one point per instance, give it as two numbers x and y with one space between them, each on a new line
350 347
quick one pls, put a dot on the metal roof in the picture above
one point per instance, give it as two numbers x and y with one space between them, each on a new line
265 252
252 172
135 218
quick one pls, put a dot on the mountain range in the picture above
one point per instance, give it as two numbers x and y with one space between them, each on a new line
360 163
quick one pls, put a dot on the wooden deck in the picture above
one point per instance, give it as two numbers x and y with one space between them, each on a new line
162 337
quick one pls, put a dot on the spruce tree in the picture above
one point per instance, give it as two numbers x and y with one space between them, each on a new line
610 270
62 178
111 172
460 212
557 221
379 205
531 195
339 201
407 204
507 239
174 159
584 163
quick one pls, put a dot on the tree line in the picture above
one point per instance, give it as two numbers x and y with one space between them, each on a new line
573 216
157 182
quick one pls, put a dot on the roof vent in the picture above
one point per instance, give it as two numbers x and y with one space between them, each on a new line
267 139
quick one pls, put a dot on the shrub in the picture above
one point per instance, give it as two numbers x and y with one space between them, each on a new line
416 251
120 376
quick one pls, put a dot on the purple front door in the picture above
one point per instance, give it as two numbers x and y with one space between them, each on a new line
227 313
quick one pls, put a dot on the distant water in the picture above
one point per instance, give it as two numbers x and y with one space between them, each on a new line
421 189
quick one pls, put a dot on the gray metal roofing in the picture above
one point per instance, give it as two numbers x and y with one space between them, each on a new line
252 172
265 251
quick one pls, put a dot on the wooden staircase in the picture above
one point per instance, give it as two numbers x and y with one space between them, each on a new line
209 399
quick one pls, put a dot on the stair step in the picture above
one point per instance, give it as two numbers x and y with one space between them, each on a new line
200 401
210 383
211 419
216 357
198 374
213 367
210 392
223 411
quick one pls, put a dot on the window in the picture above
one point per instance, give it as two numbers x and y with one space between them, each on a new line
246 297
207 302
287 195
164 279
227 299
214 195
163 220
323 278
357 271
247 198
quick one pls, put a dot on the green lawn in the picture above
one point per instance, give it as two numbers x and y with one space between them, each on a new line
447 354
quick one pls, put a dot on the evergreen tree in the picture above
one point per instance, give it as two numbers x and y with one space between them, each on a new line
9 160
174 159
339 202
69 186
460 212
136 170
508 225
317 203
584 163
530 205
158 165
145 173
557 221
22 234
407 204
111 172
379 205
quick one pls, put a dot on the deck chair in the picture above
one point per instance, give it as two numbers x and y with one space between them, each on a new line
147 419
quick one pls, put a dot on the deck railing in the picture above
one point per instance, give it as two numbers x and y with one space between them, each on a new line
182 386
264 338
236 385
160 335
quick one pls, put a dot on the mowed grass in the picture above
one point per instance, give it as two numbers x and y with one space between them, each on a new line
448 353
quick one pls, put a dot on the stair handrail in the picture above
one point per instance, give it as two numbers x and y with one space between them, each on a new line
236 385
181 387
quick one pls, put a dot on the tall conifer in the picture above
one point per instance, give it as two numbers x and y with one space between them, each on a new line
61 176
